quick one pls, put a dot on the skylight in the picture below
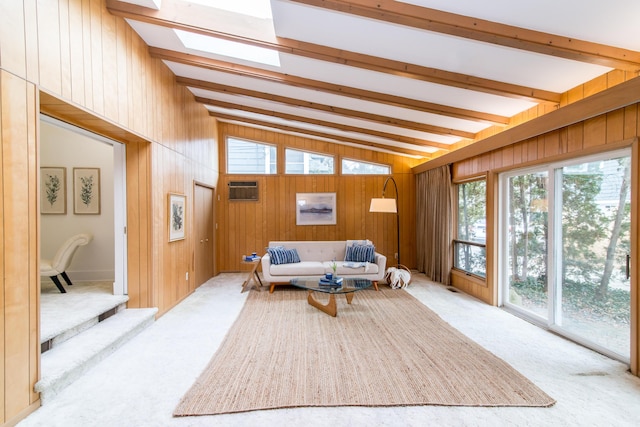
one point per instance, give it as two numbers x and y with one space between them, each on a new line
228 48
256 8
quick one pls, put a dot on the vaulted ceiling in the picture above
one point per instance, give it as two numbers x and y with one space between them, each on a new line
415 77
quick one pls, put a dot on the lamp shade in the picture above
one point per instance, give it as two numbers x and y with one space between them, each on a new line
383 205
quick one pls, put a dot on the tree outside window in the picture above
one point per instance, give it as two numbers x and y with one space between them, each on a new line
469 247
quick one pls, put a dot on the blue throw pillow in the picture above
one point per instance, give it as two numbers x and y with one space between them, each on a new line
292 256
361 253
281 255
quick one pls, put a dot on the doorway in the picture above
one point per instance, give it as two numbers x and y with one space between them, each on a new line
70 148
204 220
97 270
565 249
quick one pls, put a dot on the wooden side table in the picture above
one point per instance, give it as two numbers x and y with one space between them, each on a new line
253 274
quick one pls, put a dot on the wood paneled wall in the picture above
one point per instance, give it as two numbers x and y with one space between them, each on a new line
19 247
591 135
90 69
599 84
247 226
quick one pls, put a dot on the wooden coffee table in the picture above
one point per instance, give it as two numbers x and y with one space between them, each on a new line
348 288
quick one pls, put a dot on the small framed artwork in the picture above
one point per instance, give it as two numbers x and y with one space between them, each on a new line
177 216
86 191
53 190
315 208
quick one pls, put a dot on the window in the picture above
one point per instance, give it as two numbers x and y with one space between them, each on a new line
305 163
469 247
354 167
245 157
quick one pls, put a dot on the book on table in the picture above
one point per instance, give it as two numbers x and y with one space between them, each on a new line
334 282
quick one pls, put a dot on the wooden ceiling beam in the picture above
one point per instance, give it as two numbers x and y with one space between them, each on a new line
418 72
322 123
485 31
272 76
176 15
344 112
321 135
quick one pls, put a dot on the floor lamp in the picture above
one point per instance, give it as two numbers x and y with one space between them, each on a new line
388 206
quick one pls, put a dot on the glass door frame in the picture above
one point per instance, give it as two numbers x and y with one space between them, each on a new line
554 171
503 246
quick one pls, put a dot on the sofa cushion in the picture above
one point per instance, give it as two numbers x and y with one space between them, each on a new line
304 268
361 253
350 269
280 255
314 250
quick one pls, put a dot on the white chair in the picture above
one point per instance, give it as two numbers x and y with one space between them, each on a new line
62 259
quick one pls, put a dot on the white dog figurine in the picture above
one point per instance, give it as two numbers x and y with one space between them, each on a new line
398 277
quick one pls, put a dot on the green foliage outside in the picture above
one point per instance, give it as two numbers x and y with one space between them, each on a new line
471 207
589 230
579 300
471 223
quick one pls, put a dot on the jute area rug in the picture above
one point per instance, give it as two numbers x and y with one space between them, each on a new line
385 349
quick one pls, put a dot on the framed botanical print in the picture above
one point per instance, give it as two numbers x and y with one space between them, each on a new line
177 216
86 191
53 190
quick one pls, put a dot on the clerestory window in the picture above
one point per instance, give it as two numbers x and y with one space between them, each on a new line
247 157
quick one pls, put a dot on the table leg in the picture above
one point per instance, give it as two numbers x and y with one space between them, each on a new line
257 276
330 308
251 277
246 282
349 297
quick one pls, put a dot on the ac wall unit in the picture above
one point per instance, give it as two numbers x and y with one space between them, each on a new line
243 190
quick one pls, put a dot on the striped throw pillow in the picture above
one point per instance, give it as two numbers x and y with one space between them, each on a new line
280 255
361 253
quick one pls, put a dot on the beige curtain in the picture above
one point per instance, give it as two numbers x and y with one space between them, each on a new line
434 203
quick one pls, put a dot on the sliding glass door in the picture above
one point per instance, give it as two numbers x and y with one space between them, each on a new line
565 262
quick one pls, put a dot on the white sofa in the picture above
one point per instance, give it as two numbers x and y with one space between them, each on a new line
315 261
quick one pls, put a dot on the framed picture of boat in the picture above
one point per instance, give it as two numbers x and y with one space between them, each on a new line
316 209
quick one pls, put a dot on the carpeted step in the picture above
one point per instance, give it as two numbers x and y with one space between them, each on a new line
68 361
66 327
83 306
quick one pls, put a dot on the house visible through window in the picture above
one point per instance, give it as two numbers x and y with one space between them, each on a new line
305 163
469 247
354 167
246 157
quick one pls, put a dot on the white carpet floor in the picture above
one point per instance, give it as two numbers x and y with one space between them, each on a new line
142 382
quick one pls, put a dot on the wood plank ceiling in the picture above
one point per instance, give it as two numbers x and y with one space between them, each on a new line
415 77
